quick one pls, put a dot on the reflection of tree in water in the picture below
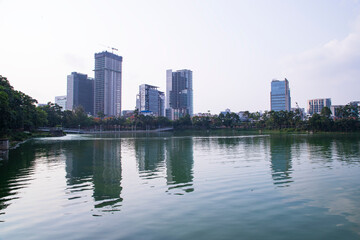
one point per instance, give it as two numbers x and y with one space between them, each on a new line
320 148
96 163
16 173
348 149
179 164
149 154
342 147
280 155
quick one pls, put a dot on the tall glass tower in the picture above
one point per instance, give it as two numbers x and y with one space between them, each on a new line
280 95
179 94
108 80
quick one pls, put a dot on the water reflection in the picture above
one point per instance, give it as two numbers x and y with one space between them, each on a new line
98 162
150 156
179 164
281 164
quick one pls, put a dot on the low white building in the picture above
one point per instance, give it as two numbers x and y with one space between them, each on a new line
61 101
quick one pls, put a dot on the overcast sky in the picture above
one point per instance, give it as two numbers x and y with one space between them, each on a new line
234 48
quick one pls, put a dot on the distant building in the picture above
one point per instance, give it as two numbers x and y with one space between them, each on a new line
108 80
316 105
80 92
226 111
301 110
280 95
61 101
127 113
243 116
356 104
150 99
335 113
179 94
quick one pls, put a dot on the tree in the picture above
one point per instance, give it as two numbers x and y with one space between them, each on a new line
325 112
54 114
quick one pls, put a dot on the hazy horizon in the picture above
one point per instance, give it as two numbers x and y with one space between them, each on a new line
234 48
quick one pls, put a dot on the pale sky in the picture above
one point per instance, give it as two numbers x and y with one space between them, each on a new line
234 48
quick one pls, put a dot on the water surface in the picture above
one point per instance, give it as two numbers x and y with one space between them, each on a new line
177 186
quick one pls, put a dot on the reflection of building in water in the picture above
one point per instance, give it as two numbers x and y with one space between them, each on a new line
99 162
179 163
107 173
149 154
79 162
280 155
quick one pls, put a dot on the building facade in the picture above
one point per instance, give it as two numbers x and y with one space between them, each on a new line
179 94
80 92
280 95
108 84
150 99
316 105
61 101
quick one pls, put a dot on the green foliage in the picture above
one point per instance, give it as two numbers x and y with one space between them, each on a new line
325 112
17 110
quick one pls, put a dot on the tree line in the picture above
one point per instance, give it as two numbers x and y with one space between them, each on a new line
18 112
347 120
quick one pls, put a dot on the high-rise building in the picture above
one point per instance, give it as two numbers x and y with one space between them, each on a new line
61 101
108 80
316 105
280 95
80 92
179 94
151 100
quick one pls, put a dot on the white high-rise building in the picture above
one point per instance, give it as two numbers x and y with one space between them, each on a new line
108 84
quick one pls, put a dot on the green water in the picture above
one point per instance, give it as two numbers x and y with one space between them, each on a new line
194 186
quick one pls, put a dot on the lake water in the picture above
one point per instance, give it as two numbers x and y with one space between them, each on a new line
173 186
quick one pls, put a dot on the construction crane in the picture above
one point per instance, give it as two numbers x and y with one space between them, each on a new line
112 48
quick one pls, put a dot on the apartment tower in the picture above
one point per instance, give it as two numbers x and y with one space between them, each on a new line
108 80
316 105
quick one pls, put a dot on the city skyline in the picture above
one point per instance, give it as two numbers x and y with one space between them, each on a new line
245 45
